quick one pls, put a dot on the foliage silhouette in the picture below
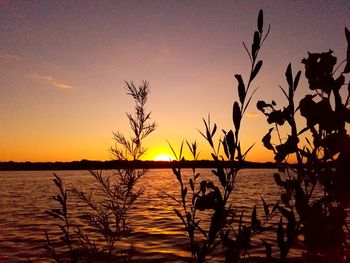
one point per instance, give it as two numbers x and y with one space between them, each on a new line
107 215
210 201
323 162
203 205
65 225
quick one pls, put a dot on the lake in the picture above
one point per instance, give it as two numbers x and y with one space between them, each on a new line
157 235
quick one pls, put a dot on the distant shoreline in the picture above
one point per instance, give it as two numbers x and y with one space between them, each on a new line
108 165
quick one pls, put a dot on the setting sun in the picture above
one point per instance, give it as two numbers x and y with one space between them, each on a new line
164 157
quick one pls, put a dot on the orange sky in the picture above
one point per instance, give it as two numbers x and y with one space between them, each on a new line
63 66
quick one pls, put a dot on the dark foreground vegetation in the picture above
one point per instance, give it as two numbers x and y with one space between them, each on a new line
316 222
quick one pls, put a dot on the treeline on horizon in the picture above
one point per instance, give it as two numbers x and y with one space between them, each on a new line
121 164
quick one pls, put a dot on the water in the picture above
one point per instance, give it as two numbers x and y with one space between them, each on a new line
157 233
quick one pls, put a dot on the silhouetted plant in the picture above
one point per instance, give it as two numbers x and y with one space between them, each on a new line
322 162
210 200
107 207
65 225
108 213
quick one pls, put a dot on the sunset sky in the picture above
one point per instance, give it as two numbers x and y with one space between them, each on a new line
63 66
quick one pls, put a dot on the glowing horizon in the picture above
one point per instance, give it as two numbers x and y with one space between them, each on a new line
63 66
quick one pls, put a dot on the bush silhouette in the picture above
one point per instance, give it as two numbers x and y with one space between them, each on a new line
323 161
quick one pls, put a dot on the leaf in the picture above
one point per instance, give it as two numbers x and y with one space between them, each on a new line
54 215
347 67
260 21
266 208
181 148
239 153
184 193
236 115
255 223
289 75
241 88
296 80
250 98
268 251
256 70
214 130
191 184
280 240
284 92
230 140
172 197
267 140
224 143
180 216
256 44
172 149
247 151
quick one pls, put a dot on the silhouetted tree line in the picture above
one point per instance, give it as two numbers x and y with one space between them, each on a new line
113 164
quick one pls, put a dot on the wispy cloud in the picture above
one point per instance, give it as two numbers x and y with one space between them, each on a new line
40 77
61 85
10 58
50 80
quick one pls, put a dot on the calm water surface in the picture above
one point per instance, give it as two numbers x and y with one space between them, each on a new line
157 234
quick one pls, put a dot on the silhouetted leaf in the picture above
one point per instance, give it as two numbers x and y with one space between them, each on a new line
203 186
191 184
230 139
248 102
260 21
289 75
54 215
172 197
201 229
241 88
266 207
296 80
280 240
247 151
221 175
256 44
261 105
172 149
255 223
181 148
268 251
224 143
236 115
256 70
184 192
239 153
347 67
214 130
267 140
180 216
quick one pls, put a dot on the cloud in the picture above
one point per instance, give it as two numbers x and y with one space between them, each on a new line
10 58
50 80
61 85
41 77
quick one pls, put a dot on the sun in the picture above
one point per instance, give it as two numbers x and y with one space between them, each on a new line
164 157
